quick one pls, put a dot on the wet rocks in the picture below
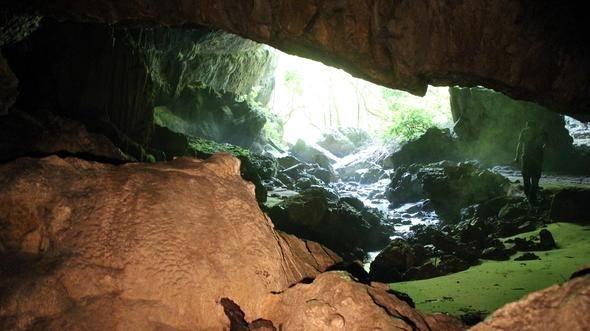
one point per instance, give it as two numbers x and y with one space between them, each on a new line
424 271
371 175
449 186
459 186
543 242
405 186
313 154
343 141
443 249
343 224
393 261
295 174
434 145
546 241
426 254
527 257
522 244
571 205
449 264
498 252
336 143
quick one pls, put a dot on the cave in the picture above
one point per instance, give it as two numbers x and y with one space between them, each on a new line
294 165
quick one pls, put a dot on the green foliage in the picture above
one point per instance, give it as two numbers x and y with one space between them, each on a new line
409 123
273 129
293 82
391 95
252 97
410 117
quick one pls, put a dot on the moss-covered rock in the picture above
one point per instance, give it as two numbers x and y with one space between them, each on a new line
254 167
433 146
313 154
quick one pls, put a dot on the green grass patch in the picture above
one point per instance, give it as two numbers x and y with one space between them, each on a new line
490 285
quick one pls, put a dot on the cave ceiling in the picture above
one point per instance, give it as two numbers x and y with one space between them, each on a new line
530 50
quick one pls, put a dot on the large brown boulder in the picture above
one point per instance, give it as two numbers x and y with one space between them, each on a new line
559 307
334 302
138 247
181 245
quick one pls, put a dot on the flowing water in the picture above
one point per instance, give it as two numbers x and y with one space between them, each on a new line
402 217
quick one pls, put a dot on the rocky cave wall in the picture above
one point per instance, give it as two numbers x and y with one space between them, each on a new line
527 49
13 28
488 125
111 79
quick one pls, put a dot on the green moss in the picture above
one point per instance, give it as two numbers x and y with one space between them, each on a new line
554 187
492 284
203 148
199 146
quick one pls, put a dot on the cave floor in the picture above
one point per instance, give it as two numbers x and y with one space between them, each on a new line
548 180
492 284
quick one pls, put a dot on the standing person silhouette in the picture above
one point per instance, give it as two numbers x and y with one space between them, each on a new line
529 152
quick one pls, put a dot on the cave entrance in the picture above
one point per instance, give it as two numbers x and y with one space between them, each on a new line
311 100
351 165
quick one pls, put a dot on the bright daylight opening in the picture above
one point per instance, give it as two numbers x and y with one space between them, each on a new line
311 99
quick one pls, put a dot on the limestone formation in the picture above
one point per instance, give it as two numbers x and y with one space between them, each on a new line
530 50
559 307
333 301
172 246
138 246
116 76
